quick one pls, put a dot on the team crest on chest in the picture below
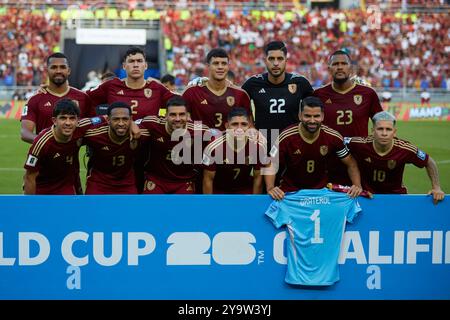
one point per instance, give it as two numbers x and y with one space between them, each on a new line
150 185
230 101
357 98
147 92
391 164
323 150
292 87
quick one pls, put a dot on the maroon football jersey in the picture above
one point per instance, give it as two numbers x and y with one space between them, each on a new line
112 163
234 166
39 108
306 160
349 112
161 163
145 101
384 173
56 162
211 109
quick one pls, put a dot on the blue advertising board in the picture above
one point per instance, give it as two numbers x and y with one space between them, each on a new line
211 247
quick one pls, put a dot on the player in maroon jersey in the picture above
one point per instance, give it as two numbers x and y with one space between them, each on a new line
232 162
382 158
145 97
37 113
112 154
211 100
176 146
348 106
52 161
304 150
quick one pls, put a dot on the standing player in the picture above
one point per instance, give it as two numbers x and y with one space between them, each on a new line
348 106
304 150
145 97
167 170
382 158
112 154
52 161
211 100
276 94
37 113
232 162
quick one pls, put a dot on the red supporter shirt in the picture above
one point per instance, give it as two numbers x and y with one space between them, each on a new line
39 108
384 173
160 163
57 162
211 109
306 160
145 101
234 167
112 163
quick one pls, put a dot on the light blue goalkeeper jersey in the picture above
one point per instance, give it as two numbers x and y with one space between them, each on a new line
315 221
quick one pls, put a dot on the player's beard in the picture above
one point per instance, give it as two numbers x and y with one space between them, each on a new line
311 130
277 75
340 80
59 81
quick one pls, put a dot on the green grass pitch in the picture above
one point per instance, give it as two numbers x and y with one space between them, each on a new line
432 137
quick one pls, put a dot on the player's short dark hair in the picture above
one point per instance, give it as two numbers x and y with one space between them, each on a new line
230 75
168 78
275 45
176 101
237 112
118 104
216 53
57 55
311 101
132 51
66 106
340 53
107 76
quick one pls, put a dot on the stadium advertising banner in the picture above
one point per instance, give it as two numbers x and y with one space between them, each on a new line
211 247
407 111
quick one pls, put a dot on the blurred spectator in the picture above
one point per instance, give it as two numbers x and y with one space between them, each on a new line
425 98
92 82
386 96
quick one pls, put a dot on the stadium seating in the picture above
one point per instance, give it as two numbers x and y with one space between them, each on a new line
398 49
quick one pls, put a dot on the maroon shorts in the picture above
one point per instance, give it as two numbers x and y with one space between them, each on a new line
93 187
155 185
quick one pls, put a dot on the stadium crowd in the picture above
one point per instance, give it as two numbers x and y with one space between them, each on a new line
411 48
395 49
